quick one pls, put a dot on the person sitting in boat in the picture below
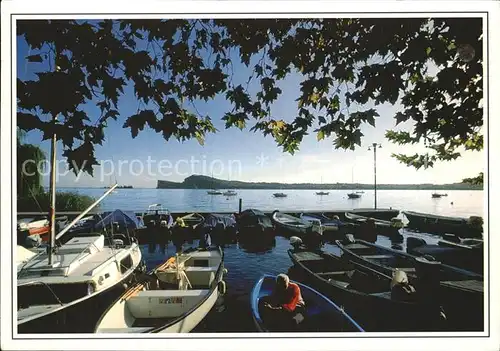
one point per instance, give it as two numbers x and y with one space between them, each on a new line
284 302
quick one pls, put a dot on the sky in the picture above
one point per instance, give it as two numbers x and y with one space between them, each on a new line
244 155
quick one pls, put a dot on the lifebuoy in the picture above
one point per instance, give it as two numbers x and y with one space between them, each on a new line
221 286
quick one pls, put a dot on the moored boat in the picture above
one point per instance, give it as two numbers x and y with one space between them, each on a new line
449 285
437 195
172 298
322 193
81 275
222 228
436 224
465 254
254 222
332 228
386 228
310 231
230 193
294 225
280 195
40 227
319 315
159 223
354 195
377 301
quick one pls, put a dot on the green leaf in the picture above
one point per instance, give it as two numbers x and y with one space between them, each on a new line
321 135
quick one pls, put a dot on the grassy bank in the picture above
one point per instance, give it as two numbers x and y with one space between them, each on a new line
65 201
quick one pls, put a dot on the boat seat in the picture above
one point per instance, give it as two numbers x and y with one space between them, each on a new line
339 283
124 330
332 273
377 257
201 276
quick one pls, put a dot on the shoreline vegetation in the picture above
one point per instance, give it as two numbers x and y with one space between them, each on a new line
205 182
65 201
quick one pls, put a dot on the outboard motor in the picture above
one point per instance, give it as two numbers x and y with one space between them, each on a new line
401 290
412 243
296 242
349 239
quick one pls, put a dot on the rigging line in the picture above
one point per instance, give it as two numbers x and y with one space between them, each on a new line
32 194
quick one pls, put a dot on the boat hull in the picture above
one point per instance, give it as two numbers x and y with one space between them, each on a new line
78 318
60 318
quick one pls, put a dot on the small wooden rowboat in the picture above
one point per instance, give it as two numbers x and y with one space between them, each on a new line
173 298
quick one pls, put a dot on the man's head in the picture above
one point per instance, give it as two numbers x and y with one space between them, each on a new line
282 281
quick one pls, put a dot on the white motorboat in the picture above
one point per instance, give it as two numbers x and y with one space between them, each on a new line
230 193
173 298
60 289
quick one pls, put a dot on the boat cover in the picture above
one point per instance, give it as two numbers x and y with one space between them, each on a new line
127 219
213 219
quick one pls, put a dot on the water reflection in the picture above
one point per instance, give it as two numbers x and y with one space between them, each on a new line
257 245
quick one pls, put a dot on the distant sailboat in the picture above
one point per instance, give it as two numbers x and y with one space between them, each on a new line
214 191
321 193
354 194
229 192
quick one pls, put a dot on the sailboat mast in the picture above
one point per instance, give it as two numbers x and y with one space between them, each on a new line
52 194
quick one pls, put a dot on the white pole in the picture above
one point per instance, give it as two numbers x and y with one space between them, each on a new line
62 232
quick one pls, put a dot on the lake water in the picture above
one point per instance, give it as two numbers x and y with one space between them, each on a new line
246 264
465 203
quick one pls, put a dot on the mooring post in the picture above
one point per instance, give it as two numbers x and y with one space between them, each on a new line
240 204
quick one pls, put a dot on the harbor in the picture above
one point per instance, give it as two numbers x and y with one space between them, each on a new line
248 255
310 176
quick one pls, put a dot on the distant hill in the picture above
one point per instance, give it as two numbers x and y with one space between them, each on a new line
205 182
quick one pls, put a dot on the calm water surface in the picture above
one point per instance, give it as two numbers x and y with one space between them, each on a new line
465 203
247 264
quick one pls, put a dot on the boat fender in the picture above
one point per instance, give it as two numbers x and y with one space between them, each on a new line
225 271
221 286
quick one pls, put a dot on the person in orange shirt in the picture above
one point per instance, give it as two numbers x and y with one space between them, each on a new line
284 301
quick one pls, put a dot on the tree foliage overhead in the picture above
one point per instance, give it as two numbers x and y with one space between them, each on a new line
348 67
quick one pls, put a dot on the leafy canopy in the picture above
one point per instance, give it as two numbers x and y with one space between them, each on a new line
348 67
